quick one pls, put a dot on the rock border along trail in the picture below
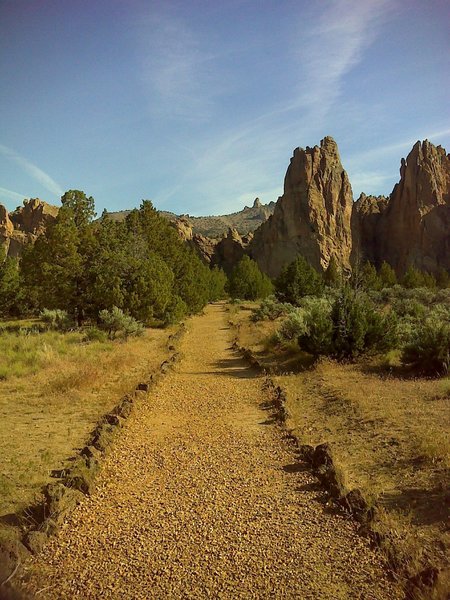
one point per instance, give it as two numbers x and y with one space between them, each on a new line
201 497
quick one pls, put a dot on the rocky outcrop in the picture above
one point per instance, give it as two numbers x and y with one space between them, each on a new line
366 214
415 227
6 229
412 226
313 217
25 224
229 251
203 245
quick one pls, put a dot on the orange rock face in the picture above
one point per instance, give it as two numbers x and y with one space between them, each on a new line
24 224
313 217
413 225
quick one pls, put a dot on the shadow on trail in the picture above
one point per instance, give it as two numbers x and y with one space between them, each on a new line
232 367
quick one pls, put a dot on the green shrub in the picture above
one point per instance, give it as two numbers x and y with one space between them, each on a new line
293 326
115 321
94 334
317 339
428 350
270 309
56 319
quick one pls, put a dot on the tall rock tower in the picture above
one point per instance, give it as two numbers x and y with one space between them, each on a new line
313 215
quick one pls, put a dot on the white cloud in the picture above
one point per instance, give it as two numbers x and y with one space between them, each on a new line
12 195
35 172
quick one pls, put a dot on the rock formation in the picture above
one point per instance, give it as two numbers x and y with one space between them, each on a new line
203 245
412 227
366 214
230 250
24 224
313 217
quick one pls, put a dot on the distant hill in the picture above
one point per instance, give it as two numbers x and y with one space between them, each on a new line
246 220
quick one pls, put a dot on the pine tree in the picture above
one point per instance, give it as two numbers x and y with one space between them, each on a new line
296 280
387 275
247 282
333 274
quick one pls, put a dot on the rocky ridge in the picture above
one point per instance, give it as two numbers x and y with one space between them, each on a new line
315 217
24 224
413 225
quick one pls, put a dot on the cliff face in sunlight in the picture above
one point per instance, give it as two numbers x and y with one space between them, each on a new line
412 226
315 217
24 224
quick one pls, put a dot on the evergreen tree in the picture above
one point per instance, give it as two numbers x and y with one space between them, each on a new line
387 275
296 280
10 292
333 274
442 278
247 282
369 277
413 278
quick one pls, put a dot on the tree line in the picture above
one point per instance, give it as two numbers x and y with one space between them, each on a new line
84 266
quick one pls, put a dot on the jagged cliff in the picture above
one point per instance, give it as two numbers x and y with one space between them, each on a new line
413 225
313 217
24 224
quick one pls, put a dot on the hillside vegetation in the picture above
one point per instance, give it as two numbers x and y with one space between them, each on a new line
244 221
83 267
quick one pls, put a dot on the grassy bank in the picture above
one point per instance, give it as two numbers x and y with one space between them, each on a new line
388 433
53 388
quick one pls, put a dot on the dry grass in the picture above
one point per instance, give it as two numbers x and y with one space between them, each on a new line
389 434
54 389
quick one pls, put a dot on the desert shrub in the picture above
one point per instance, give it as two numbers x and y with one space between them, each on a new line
317 338
296 280
115 321
428 350
270 309
409 308
56 319
293 326
94 334
359 327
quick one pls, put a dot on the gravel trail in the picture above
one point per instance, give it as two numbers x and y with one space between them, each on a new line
201 498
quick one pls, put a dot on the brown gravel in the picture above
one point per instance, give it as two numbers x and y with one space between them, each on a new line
201 498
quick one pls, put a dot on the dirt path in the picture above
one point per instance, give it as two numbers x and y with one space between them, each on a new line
201 498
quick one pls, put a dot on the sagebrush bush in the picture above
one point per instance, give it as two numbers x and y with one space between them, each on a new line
56 319
317 339
293 326
428 350
270 309
115 321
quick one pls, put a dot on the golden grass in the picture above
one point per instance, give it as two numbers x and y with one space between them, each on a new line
52 400
389 434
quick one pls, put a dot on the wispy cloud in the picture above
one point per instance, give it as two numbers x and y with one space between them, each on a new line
178 69
35 172
231 163
344 31
12 195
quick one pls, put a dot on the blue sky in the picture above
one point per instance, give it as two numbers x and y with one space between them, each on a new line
198 105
